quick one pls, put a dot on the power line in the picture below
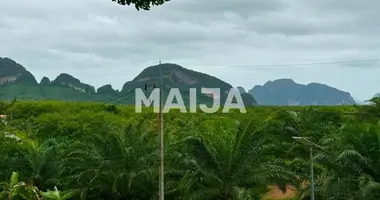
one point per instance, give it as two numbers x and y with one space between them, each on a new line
87 77
206 99
257 65
291 65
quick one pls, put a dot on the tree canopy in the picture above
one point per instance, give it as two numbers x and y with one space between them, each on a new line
141 4
95 151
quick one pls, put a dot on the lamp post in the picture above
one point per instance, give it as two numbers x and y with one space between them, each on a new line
309 144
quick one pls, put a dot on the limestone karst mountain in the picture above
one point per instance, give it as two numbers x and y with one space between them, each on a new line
12 72
288 92
17 82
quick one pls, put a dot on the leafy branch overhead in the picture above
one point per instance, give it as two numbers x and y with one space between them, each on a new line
141 4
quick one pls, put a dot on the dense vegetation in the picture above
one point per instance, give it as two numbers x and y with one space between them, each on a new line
61 150
17 82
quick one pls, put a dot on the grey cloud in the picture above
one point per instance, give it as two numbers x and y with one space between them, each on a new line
112 50
88 36
320 17
241 7
342 6
4 24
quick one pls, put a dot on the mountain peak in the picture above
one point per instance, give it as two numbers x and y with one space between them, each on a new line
45 81
67 80
287 92
175 76
65 76
107 90
12 72
241 90
283 81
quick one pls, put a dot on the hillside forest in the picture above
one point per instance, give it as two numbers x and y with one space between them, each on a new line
66 150
17 82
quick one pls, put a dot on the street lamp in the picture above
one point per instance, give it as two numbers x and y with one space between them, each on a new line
310 144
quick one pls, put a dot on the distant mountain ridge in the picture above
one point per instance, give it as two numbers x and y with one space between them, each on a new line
67 87
287 92
16 81
66 80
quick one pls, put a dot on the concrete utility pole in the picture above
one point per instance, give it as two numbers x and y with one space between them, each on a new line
162 171
312 173
309 144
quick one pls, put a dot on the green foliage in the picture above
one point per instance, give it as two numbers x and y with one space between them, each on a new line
58 195
15 190
141 4
97 151
3 107
43 92
112 109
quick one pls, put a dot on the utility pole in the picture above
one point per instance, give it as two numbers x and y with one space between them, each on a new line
162 171
312 173
309 144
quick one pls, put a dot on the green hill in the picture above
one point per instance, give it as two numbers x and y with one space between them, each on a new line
17 82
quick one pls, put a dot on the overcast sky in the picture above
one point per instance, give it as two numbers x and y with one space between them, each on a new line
100 42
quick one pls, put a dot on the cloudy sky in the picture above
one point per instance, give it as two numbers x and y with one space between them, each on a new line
244 42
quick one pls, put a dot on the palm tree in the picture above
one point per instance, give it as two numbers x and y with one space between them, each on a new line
15 189
58 195
38 164
352 163
310 123
113 165
225 163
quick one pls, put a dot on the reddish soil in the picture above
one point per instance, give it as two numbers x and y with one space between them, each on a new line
276 193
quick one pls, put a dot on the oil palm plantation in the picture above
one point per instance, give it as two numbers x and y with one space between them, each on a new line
229 163
37 164
310 123
352 162
116 165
